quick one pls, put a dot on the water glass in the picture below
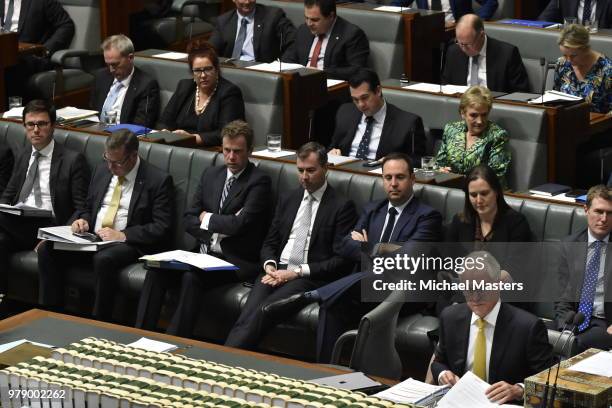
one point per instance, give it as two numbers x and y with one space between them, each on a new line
274 142
110 118
567 21
428 164
14 102
592 25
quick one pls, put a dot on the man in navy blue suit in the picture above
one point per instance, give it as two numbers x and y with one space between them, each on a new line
399 218
454 9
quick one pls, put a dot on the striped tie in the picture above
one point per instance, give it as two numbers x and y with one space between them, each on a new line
226 189
296 258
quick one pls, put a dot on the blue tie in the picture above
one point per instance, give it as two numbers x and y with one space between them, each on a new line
588 286
586 14
111 98
364 145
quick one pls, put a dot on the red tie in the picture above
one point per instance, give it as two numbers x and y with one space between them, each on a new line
317 50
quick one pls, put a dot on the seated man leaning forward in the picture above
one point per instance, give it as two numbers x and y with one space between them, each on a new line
496 341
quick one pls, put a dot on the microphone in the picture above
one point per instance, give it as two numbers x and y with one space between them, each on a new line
545 66
280 53
147 111
443 49
569 317
578 319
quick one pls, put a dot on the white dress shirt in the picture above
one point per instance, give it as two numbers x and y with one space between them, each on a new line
598 301
321 59
482 66
581 11
448 11
216 238
44 175
14 24
399 209
127 188
377 128
248 50
121 95
284 258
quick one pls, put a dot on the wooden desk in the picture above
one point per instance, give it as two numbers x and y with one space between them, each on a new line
115 16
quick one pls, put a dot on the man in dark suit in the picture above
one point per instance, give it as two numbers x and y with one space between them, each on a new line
6 166
229 218
401 219
124 88
477 59
454 9
266 35
585 273
370 128
129 201
328 42
587 11
498 342
46 176
302 249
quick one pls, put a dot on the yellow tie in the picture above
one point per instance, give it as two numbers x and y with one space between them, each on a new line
109 218
480 351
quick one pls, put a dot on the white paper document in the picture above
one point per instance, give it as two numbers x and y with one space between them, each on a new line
13 113
411 391
351 381
376 171
554 96
152 345
64 240
334 82
201 261
275 66
469 391
24 210
436 88
598 364
171 55
558 197
274 155
392 9
70 113
336 160
13 344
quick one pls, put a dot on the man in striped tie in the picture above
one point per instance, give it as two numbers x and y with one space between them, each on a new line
129 202
498 342
585 271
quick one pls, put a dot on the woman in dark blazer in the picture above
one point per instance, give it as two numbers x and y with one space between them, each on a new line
203 105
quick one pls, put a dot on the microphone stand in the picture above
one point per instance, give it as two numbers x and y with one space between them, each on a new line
569 317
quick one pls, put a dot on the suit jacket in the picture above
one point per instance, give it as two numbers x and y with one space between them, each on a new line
335 217
141 103
44 22
6 166
347 49
402 131
505 69
571 269
151 209
509 226
459 7
271 26
225 106
418 222
68 179
569 8
520 344
245 215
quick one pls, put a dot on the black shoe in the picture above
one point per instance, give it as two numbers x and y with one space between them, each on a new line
283 308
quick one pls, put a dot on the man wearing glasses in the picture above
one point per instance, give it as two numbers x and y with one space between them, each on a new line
130 202
477 59
46 176
123 88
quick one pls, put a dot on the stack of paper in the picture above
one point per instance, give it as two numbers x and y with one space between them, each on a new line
153 345
598 364
25 211
414 392
275 66
334 82
555 96
172 55
13 113
273 155
392 9
64 240
469 391
201 261
436 88
70 114
336 160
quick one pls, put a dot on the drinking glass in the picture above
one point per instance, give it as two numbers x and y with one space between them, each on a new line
274 142
428 164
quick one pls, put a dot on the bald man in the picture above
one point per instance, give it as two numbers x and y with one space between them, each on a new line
477 59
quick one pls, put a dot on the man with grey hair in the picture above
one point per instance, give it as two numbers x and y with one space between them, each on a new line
129 201
498 342
123 88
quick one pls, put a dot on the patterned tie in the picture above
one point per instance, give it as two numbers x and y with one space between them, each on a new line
480 351
111 98
436 5
31 178
237 52
589 284
317 50
6 24
586 14
364 145
474 70
296 258
111 212
390 224
226 189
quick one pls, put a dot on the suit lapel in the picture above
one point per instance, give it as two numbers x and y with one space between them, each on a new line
293 205
56 164
236 188
129 96
334 38
25 7
463 333
258 26
348 140
406 217
230 32
501 336
23 171
385 136
492 67
378 222
138 186
580 263
101 193
321 214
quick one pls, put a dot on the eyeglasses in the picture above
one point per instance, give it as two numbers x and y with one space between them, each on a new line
118 163
467 45
42 124
203 71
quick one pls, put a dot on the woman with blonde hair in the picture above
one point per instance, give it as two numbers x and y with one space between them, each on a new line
474 140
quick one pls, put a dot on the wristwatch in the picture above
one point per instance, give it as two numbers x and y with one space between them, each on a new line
298 271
